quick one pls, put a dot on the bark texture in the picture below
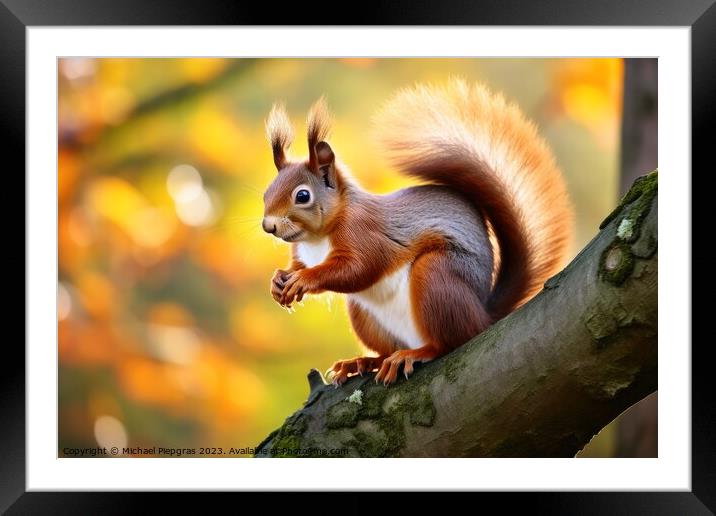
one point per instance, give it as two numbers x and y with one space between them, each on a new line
539 383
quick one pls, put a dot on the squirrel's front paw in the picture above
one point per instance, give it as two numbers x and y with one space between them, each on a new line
295 287
277 283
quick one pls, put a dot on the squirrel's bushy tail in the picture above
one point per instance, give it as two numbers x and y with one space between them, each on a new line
463 136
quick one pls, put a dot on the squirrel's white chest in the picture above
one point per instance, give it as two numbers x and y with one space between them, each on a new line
314 252
388 301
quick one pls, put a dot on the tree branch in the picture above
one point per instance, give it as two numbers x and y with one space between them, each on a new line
539 383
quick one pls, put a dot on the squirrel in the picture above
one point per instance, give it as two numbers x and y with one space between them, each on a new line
428 267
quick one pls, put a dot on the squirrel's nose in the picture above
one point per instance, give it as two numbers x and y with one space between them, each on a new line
268 225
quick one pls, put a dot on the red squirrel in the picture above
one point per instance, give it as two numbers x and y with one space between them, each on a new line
428 267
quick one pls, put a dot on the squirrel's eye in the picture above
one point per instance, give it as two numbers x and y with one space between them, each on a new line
303 196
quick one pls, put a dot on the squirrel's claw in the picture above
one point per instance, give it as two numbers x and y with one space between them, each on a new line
339 379
388 372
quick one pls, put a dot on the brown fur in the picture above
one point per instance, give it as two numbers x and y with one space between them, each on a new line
448 310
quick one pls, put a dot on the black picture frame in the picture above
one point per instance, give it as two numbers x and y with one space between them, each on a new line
17 15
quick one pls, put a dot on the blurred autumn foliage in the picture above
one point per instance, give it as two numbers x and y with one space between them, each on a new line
167 333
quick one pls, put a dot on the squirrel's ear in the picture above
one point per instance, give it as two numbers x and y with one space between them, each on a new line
325 160
280 134
324 154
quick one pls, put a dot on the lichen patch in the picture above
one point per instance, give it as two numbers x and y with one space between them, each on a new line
625 229
356 397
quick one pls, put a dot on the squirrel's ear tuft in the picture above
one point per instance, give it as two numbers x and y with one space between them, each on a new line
280 133
318 123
